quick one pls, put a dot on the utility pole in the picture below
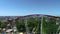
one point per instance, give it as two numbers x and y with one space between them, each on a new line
41 23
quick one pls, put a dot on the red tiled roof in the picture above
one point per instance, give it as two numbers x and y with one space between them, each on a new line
36 15
39 15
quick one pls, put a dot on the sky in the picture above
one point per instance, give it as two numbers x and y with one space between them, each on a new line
26 7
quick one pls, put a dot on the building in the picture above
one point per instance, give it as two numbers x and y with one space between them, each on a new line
12 19
41 15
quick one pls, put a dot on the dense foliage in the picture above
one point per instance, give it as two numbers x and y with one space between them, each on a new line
50 27
20 26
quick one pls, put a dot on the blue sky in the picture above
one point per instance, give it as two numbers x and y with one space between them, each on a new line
25 7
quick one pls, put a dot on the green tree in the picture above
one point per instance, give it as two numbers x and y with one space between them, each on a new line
3 24
20 25
34 24
31 23
50 27
38 29
0 24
